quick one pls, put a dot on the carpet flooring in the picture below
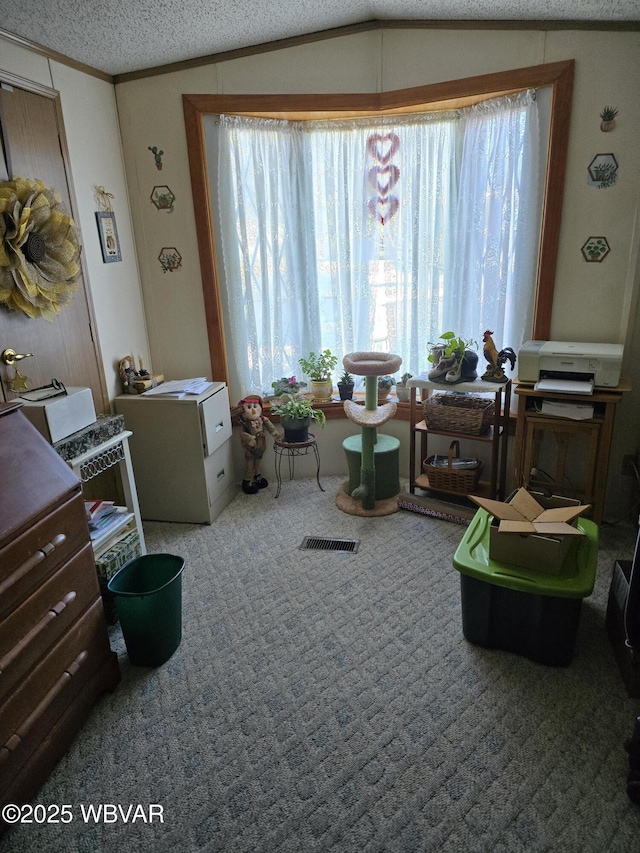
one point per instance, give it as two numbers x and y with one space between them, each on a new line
330 702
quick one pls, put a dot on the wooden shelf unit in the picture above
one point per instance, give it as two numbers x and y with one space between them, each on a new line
597 431
496 436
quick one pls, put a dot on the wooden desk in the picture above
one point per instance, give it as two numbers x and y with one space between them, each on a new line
597 431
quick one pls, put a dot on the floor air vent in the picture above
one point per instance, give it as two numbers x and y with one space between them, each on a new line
323 543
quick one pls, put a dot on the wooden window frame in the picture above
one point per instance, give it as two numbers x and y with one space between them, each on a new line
449 95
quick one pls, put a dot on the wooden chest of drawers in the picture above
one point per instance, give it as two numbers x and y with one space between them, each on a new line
55 658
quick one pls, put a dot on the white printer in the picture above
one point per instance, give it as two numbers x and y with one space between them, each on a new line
597 364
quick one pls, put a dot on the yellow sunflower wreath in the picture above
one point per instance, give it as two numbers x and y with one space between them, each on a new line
39 250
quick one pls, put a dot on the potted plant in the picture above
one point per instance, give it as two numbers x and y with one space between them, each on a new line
385 384
319 367
346 386
296 416
287 385
404 393
607 117
453 361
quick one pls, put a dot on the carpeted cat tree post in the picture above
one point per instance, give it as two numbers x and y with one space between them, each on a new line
374 460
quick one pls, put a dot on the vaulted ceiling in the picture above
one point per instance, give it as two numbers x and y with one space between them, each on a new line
121 36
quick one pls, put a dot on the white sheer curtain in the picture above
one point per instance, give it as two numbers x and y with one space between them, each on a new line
376 234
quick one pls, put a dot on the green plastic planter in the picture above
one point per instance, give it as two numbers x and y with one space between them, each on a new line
148 597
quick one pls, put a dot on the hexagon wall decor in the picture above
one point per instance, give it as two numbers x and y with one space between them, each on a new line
170 259
595 250
163 198
603 171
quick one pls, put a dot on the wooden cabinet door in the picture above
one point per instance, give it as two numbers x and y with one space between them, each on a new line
65 348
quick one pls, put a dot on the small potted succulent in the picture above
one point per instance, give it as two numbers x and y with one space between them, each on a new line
404 393
319 367
346 385
385 383
296 416
607 117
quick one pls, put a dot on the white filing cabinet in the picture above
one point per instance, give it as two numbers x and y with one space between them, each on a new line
181 453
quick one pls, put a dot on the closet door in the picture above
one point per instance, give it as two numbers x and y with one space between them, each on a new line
66 347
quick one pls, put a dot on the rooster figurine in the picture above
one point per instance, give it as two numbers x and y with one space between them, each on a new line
495 371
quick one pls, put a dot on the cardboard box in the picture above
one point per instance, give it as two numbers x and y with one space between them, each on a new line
628 662
531 530
58 417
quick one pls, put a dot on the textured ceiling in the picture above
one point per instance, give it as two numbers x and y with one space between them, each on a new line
118 36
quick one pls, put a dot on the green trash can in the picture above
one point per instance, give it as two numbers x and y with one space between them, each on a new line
148 596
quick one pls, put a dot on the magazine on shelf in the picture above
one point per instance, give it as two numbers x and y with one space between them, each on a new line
108 523
97 509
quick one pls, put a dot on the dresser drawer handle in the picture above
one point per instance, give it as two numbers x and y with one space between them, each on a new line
46 620
21 733
33 561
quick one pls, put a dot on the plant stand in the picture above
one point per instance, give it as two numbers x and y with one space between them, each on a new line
292 450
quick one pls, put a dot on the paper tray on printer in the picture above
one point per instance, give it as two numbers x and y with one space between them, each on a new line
565 386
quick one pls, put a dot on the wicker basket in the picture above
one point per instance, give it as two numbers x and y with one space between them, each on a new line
458 413
449 478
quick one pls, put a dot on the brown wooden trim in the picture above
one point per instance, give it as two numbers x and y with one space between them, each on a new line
314 105
552 201
334 411
558 75
367 26
55 56
204 232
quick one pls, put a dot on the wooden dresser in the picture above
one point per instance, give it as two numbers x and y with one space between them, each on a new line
55 658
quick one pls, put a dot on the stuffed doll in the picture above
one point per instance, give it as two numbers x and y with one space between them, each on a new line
253 441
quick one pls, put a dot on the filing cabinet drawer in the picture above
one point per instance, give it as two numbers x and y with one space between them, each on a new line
36 554
219 467
216 421
32 629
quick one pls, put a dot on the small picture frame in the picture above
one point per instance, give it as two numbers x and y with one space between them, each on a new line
108 236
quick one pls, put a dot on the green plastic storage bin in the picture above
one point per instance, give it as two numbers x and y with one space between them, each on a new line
519 610
148 598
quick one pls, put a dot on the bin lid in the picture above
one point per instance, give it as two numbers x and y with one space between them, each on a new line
575 579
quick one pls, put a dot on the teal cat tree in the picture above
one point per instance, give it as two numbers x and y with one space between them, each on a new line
373 459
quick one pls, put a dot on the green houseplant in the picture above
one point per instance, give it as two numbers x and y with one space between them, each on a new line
402 391
346 385
453 360
296 416
287 385
385 383
319 367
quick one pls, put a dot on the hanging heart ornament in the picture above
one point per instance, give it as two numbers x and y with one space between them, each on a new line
383 208
383 178
383 146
